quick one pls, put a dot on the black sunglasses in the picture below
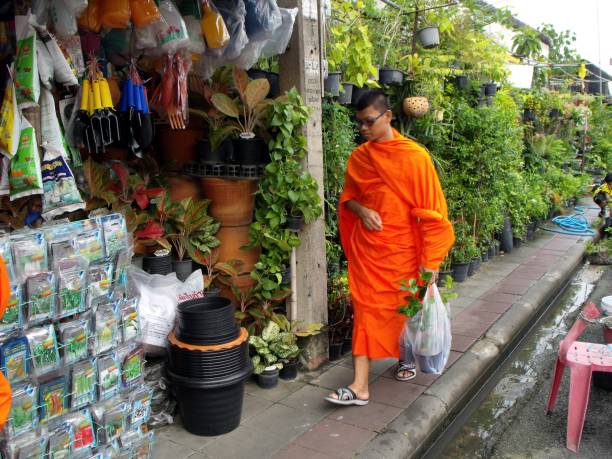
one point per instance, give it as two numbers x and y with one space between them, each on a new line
369 122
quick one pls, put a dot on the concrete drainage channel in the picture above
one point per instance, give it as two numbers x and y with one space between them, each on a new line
488 381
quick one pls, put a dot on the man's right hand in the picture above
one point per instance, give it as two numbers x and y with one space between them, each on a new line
371 219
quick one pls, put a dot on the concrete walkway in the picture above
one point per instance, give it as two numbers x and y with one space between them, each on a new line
293 421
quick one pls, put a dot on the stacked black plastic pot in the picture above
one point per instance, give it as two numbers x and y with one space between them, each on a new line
208 365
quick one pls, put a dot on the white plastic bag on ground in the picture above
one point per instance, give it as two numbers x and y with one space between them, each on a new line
426 338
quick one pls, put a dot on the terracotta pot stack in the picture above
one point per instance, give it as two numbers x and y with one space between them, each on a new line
231 204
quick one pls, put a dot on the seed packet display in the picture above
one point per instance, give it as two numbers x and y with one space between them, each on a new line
31 445
74 337
13 315
5 251
115 233
109 376
72 293
132 361
16 359
110 418
84 433
53 396
123 261
83 384
90 245
40 297
130 320
106 329
60 443
137 445
24 410
100 280
140 407
43 349
29 254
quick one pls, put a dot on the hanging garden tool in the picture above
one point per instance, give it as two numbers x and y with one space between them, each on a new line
170 97
135 111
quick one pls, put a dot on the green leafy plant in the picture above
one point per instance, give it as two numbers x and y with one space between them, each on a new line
272 347
417 288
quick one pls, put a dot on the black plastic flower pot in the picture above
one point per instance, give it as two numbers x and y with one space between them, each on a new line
346 97
390 76
221 154
528 115
286 276
460 271
295 222
157 265
507 243
472 268
274 80
485 256
554 113
247 151
210 408
357 94
517 242
331 85
256 74
207 364
268 379
335 351
462 82
347 345
207 320
477 263
182 268
442 277
491 252
289 370
429 37
490 89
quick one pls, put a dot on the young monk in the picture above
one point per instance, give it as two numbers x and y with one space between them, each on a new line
393 225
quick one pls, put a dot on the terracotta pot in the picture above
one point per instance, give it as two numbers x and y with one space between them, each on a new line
232 238
416 106
177 147
244 282
231 201
182 186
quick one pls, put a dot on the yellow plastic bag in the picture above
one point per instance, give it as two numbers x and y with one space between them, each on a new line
9 122
116 14
91 18
214 30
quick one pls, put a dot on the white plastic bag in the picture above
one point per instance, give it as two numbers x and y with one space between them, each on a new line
64 21
426 338
173 35
263 17
196 41
277 44
234 13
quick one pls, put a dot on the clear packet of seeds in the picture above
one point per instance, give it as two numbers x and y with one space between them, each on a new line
90 245
31 445
84 432
61 440
29 254
137 445
114 228
106 329
110 418
43 349
23 416
131 357
72 291
74 340
122 261
140 407
5 251
41 296
130 319
15 357
109 376
53 398
99 281
83 384
13 317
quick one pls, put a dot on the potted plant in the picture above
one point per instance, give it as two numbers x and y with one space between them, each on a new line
462 255
462 82
429 37
270 349
248 112
445 271
340 314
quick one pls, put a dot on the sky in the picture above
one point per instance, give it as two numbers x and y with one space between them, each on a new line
589 19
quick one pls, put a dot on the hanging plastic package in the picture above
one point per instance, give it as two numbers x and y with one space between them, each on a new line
196 42
263 17
76 7
40 10
144 13
173 35
5 165
45 65
91 18
426 338
61 194
115 14
25 177
24 410
147 37
278 42
213 27
64 21
27 83
250 55
62 72
10 122
233 12
51 132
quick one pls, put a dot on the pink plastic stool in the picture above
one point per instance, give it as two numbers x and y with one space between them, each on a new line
582 359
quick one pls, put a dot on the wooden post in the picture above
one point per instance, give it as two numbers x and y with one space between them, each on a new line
300 67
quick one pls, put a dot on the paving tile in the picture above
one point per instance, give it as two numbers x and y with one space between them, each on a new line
461 343
294 451
469 316
244 442
395 393
285 421
165 448
377 367
284 389
176 433
499 297
472 329
253 405
512 288
335 438
200 456
374 416
338 376
490 306
310 398
421 379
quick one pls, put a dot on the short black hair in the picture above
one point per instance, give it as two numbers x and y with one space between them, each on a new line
373 98
608 178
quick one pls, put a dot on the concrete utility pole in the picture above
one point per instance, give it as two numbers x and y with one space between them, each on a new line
301 67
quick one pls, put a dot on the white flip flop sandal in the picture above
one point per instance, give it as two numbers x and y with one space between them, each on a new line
346 397
405 367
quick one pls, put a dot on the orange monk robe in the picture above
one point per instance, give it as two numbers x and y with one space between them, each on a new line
397 179
5 388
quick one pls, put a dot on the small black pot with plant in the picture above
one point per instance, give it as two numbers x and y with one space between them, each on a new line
346 96
389 76
290 369
462 82
331 85
489 89
529 115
